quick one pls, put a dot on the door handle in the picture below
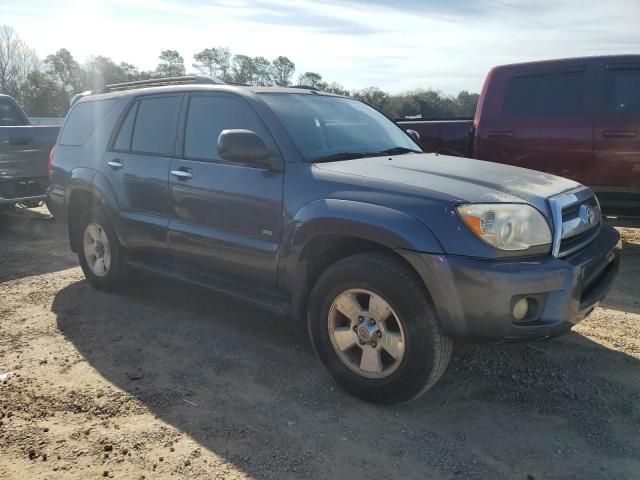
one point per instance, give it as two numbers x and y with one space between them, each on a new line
116 164
182 174
620 133
502 134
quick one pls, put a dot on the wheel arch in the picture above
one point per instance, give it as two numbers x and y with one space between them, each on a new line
88 188
329 230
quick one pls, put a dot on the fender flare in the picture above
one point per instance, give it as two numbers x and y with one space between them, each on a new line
96 184
389 227
384 225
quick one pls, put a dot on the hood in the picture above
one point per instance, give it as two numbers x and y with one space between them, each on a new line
465 180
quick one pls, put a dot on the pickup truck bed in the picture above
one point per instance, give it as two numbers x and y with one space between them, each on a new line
445 136
24 151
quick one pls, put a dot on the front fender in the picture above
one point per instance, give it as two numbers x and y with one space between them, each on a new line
383 225
376 223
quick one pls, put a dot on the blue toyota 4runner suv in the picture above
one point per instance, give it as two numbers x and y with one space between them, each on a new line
319 207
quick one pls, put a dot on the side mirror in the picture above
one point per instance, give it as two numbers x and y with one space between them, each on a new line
415 136
246 146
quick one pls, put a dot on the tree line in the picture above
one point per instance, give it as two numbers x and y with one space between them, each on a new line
45 87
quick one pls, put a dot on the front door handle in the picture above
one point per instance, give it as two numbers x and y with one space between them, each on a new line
502 134
620 133
116 164
182 174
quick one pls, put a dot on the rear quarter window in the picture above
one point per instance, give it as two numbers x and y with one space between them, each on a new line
545 94
83 119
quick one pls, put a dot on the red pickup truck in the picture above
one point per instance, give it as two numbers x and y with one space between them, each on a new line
578 118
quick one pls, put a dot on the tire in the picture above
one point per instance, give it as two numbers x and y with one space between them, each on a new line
398 374
113 275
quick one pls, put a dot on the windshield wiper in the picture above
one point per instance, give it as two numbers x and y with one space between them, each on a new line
397 151
343 156
353 155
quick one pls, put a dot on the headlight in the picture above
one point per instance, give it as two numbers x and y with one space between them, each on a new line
507 226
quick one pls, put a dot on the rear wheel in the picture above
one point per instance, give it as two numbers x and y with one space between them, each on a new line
373 327
100 254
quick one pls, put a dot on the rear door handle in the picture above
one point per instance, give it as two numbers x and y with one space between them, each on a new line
620 133
182 174
502 134
116 164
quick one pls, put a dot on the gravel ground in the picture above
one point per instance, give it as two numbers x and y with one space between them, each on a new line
168 380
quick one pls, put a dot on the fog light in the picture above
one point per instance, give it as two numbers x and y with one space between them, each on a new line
520 309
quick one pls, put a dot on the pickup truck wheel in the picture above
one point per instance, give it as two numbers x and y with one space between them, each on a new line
373 327
100 254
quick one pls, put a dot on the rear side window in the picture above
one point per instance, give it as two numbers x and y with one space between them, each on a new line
154 128
545 94
623 90
9 114
209 115
82 121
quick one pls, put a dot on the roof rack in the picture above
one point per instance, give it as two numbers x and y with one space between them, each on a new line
156 82
305 87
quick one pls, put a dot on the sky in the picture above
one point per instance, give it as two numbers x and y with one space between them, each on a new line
447 45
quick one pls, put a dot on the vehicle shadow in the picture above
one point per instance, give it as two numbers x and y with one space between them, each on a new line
25 234
246 386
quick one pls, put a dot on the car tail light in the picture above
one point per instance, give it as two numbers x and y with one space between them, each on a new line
51 154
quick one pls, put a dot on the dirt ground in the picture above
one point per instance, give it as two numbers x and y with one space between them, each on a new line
168 380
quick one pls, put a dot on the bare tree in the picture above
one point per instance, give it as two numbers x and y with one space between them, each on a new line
17 60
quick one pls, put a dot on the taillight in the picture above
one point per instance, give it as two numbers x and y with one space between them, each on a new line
51 154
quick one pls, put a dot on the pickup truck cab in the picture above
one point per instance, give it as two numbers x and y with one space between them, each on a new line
578 118
318 207
24 153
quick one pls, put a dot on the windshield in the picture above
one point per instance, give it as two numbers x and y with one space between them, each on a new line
326 128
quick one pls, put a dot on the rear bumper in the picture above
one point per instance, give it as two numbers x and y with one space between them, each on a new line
11 201
475 297
22 190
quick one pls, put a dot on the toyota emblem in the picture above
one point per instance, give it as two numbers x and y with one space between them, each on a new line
588 215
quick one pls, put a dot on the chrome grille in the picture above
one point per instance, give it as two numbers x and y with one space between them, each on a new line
577 218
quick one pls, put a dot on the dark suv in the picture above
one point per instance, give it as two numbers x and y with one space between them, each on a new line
319 207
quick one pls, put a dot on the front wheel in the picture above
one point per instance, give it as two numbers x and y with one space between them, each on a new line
373 327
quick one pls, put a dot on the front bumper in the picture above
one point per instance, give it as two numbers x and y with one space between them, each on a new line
475 297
